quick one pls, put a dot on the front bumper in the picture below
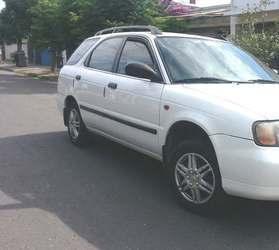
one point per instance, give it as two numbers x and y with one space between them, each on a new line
247 170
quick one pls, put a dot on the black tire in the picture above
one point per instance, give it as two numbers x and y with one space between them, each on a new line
81 138
199 151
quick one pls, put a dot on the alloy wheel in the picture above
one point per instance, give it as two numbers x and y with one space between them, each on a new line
194 177
74 124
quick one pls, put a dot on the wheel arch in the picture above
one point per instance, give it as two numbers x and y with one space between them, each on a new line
183 130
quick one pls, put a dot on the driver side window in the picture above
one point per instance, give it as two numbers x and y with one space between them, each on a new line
134 52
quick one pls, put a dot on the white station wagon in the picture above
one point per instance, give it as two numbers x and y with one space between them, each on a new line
207 109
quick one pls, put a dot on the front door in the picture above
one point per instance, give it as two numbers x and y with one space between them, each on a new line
134 103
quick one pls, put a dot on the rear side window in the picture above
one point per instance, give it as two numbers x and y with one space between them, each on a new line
81 51
103 57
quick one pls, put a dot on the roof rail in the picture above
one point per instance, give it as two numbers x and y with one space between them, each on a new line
154 30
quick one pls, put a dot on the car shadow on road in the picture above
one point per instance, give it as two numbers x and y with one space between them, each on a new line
116 198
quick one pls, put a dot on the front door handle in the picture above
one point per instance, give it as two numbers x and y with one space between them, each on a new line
112 85
78 77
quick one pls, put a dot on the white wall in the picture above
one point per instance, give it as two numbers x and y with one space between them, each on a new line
183 1
238 6
13 48
2 4
205 3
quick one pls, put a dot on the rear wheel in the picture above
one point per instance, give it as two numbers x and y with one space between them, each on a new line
195 176
76 129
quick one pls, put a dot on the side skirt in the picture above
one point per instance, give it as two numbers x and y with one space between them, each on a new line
126 144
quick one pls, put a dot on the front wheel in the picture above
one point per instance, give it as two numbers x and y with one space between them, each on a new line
195 176
76 129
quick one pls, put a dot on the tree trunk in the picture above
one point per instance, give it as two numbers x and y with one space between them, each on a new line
3 51
19 44
53 61
70 48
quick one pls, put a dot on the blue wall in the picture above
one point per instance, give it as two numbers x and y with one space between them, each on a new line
46 57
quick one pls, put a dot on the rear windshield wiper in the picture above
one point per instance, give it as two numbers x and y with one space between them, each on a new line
203 80
262 81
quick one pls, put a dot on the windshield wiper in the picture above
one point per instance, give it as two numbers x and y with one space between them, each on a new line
203 80
262 81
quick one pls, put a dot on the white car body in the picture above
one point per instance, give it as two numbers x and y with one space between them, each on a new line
226 112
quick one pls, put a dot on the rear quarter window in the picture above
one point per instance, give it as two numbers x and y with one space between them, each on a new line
82 50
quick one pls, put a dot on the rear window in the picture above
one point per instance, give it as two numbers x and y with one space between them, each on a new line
81 51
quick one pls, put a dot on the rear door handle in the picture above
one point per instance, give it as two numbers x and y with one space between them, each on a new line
78 77
112 85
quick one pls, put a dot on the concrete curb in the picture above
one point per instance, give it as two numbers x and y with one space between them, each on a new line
6 69
41 77
34 75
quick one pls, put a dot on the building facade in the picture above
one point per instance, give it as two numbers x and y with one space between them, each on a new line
271 10
187 2
238 6
227 18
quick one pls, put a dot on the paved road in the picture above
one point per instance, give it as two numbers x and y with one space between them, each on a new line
56 196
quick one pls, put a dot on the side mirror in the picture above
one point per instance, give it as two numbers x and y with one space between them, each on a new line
141 70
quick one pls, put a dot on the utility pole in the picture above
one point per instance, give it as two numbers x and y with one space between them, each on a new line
233 19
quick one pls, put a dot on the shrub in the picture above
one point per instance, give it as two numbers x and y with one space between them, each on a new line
261 42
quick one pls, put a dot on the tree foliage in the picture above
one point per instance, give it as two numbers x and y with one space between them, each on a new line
16 20
102 14
172 24
5 32
63 24
46 28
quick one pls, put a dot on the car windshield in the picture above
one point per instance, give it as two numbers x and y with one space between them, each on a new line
192 60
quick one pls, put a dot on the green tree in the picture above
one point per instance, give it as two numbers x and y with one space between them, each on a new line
17 20
3 38
172 24
59 25
72 14
63 24
102 14
47 29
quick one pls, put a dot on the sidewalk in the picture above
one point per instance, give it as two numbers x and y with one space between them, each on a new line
41 72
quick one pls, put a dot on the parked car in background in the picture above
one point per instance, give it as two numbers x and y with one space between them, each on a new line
207 109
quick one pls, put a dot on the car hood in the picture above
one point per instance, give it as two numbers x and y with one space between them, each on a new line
262 99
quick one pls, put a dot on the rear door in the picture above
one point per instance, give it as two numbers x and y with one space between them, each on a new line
134 103
72 70
94 76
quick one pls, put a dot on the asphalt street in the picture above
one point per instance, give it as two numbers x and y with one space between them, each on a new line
105 196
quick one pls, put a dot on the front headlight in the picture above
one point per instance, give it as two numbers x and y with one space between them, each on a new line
266 133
